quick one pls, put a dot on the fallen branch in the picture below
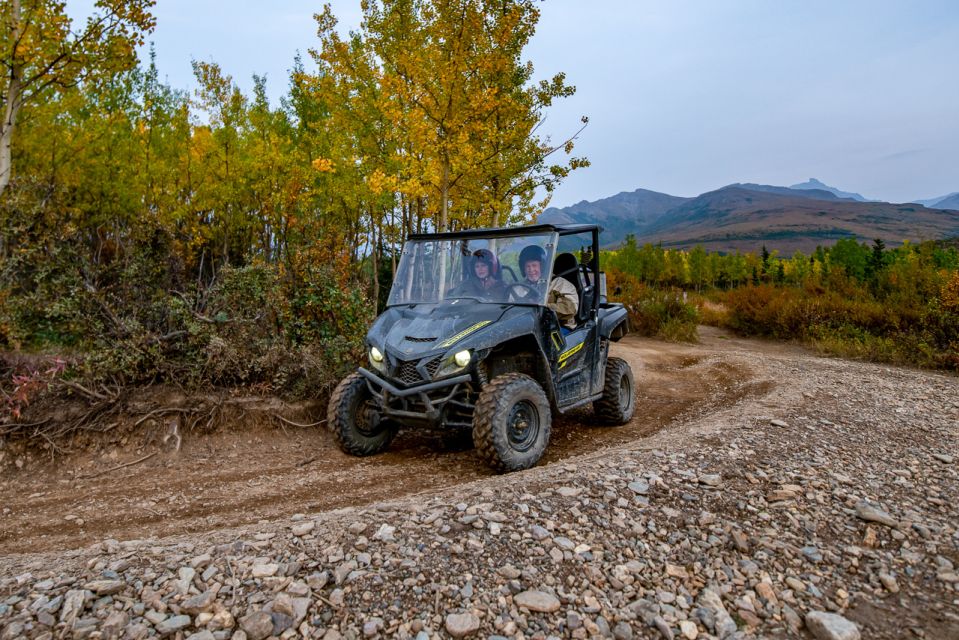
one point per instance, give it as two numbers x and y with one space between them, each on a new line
118 467
303 463
297 424
76 386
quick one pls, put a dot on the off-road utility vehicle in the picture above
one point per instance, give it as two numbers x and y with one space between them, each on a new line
468 342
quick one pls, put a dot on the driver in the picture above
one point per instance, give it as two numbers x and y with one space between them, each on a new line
561 295
484 280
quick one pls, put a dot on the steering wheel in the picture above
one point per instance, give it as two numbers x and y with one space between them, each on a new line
522 291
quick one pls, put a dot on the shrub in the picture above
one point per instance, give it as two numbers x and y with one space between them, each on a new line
849 325
654 312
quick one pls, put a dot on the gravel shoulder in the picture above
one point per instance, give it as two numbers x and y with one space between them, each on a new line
759 489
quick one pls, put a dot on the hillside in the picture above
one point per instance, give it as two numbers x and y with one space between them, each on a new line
745 216
936 203
951 202
622 214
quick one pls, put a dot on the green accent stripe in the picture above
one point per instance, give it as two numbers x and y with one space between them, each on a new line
465 332
566 354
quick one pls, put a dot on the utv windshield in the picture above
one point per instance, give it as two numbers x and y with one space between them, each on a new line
497 269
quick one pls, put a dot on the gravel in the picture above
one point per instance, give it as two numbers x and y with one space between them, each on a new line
821 502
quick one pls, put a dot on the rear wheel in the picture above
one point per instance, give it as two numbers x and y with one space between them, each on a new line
511 423
619 394
355 421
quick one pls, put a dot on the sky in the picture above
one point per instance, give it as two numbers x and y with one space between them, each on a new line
683 96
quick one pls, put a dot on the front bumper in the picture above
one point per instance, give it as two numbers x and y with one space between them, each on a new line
423 403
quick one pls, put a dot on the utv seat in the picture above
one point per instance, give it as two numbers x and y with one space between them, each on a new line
567 267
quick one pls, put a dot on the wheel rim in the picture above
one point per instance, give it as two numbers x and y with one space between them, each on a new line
367 419
625 392
522 426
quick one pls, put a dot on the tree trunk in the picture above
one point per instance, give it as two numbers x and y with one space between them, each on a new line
376 266
444 217
12 105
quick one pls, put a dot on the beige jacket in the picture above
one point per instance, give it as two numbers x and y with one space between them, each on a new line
562 298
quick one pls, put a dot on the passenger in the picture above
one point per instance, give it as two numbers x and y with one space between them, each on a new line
561 296
484 281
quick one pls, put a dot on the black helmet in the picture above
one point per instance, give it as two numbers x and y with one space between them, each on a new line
485 255
532 252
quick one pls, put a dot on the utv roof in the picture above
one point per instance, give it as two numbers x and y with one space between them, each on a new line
561 229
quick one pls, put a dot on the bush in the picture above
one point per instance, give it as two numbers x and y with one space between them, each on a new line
848 324
255 325
654 312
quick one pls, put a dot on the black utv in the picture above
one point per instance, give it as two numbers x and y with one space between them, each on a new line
471 340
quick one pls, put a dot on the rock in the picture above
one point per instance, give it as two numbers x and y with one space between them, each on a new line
871 513
765 591
202 635
796 584
257 625
639 486
779 423
945 458
688 629
740 540
569 492
72 606
710 479
622 631
538 532
889 581
201 561
114 625
283 604
136 632
281 622
509 572
186 579
385 533
660 623
198 604
537 601
221 620
831 626
460 625
792 619
676 571
265 570
173 624
724 625
343 570
372 627
105 587
303 528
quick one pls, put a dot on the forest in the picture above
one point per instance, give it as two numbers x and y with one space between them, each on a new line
852 299
149 234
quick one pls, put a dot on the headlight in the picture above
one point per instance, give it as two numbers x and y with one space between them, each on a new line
376 355
462 358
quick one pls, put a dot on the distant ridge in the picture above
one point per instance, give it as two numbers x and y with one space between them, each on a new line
949 202
744 216
942 202
813 183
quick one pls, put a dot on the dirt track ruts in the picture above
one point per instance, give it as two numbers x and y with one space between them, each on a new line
234 478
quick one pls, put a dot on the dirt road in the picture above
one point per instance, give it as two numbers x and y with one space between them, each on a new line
760 491
234 478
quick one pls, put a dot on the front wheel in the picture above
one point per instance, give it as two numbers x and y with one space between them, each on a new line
511 423
355 421
619 396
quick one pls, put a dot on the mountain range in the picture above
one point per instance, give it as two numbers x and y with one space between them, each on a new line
745 216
